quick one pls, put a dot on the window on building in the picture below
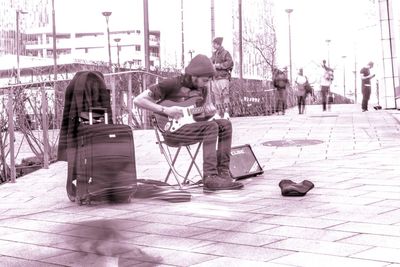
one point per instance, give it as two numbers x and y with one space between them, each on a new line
154 51
33 53
137 62
137 47
66 51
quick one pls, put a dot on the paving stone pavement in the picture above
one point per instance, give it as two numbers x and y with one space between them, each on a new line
350 218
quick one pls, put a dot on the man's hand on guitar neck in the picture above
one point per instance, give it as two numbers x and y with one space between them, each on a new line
173 112
208 112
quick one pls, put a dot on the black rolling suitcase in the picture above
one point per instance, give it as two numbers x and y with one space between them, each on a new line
106 160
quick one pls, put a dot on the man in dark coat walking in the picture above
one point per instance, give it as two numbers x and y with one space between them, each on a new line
223 64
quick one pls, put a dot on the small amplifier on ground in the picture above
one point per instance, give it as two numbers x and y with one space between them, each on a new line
244 163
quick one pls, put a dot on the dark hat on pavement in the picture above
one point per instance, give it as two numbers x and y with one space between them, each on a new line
292 189
200 66
218 40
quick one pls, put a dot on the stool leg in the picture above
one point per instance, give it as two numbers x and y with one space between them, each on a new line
193 162
171 166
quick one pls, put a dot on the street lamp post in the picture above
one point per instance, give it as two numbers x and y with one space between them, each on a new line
117 40
327 43
107 15
344 76
289 11
18 12
11 106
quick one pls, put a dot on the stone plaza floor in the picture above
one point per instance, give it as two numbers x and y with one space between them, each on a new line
351 217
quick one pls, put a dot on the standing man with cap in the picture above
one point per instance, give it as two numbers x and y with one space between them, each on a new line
199 72
223 64
366 77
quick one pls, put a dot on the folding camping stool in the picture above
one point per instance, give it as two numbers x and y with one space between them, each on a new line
171 159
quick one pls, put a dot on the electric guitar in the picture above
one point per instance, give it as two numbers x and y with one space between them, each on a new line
189 111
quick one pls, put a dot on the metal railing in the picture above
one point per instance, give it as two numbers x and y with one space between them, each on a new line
31 113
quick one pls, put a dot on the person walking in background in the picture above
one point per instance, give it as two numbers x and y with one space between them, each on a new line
331 99
325 67
326 81
300 83
366 77
280 83
223 64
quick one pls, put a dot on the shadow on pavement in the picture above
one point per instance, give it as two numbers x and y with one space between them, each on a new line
101 242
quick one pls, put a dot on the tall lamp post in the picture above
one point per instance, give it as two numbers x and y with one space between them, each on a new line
117 40
327 43
11 105
107 15
344 76
18 12
289 11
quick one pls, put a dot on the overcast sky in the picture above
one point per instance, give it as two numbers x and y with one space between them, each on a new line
343 22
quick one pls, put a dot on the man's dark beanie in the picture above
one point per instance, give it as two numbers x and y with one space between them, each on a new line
200 66
218 40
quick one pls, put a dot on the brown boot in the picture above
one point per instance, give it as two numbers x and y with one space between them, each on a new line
215 182
226 174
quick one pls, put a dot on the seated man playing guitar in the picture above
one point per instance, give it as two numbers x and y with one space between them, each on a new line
171 98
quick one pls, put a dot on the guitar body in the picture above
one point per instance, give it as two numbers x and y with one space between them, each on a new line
188 106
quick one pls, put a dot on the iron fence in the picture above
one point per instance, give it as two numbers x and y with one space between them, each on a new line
31 112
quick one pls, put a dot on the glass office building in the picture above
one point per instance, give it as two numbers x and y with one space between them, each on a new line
389 15
35 17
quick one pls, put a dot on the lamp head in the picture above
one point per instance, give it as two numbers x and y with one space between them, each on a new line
117 40
22 11
289 10
106 13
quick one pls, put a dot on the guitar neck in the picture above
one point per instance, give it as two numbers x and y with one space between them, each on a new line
198 110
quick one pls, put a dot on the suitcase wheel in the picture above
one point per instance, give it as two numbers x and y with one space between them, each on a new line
88 200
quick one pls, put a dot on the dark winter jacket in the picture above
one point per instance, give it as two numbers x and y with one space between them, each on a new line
223 63
81 93
280 81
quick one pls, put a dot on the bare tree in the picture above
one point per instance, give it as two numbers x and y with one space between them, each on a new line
260 38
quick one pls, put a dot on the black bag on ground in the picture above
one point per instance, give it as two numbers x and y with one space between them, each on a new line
147 188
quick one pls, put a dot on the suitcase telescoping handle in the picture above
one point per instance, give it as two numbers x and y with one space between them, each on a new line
104 110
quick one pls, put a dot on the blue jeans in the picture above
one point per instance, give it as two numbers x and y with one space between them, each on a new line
220 94
280 96
366 92
209 132
324 96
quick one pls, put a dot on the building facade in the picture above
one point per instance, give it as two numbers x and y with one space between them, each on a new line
389 21
36 37
126 47
33 14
